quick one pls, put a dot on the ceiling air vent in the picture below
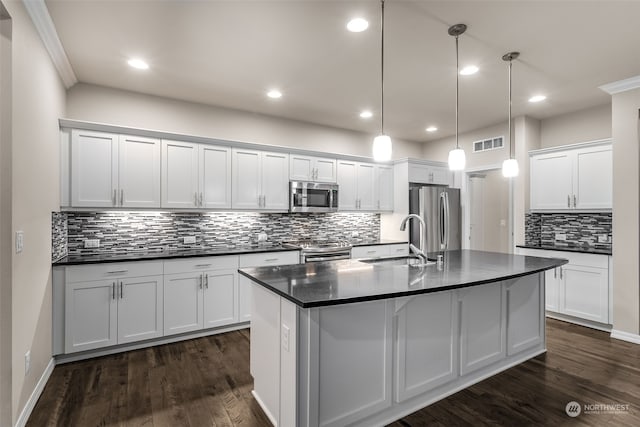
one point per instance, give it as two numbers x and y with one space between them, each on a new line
488 144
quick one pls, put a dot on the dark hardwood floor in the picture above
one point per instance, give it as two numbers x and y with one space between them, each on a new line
206 382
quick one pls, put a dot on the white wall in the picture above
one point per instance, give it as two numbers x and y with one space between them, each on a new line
112 106
38 102
580 126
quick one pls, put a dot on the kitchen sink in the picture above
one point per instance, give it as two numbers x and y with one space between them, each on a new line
410 261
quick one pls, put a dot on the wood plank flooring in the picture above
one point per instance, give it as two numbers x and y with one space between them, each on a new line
206 382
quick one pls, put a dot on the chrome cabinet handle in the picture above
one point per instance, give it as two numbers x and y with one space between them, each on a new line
568 201
270 259
200 281
116 271
202 265
560 273
206 281
201 200
195 199
264 201
115 197
121 290
371 252
113 290
121 197
574 201
555 273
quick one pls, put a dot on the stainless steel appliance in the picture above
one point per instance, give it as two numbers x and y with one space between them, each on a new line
320 250
307 196
440 209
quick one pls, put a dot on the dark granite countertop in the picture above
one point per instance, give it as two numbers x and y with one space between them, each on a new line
348 281
169 254
583 250
377 242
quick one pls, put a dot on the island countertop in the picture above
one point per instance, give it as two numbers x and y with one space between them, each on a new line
349 281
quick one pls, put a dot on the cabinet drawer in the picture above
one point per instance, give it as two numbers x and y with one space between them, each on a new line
200 264
270 258
399 250
375 251
92 272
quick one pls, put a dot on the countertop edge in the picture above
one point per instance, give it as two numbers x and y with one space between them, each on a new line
568 249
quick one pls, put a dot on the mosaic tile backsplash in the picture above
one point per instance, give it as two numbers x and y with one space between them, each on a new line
581 229
58 235
156 231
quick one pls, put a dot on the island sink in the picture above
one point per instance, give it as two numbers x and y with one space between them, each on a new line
366 343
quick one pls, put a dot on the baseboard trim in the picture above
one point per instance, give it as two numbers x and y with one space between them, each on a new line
625 336
35 395
582 322
264 408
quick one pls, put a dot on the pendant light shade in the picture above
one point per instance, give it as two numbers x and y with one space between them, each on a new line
457 158
510 167
382 143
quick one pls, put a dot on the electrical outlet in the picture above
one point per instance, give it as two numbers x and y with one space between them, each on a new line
189 240
603 238
91 243
19 241
285 337
561 236
354 234
27 362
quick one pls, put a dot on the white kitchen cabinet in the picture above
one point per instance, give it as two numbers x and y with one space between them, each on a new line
429 174
110 304
259 260
260 180
482 328
380 251
579 289
574 177
310 168
364 186
427 357
195 175
109 170
200 293
525 328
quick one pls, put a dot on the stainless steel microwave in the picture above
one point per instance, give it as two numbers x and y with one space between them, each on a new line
307 196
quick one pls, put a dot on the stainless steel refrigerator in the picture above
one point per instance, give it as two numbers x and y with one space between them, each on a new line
439 207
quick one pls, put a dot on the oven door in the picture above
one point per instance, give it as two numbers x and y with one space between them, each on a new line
319 257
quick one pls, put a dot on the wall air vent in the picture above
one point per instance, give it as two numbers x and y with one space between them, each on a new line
488 144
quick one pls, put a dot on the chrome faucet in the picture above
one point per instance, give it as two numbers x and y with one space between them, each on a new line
419 252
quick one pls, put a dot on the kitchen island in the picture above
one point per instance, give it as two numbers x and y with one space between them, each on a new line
368 342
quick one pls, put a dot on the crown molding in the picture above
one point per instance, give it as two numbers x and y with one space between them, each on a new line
37 10
622 85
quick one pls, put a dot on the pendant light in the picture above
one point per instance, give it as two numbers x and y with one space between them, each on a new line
510 166
382 142
457 159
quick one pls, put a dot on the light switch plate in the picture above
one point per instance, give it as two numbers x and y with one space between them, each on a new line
189 240
19 241
92 243
561 236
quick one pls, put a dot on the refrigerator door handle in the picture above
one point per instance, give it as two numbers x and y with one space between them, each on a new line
447 221
442 219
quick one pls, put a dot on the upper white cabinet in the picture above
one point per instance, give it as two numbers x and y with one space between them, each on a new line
309 168
365 186
575 178
109 170
429 174
260 180
195 175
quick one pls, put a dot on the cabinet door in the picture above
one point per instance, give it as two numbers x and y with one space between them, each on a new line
441 176
426 357
140 309
275 181
139 172
584 292
325 170
525 314
301 168
367 201
220 298
384 188
482 329
552 290
215 177
94 169
593 178
244 299
179 174
247 176
90 315
182 303
551 181
348 185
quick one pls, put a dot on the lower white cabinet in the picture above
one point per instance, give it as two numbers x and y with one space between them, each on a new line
380 251
259 260
204 296
115 310
578 289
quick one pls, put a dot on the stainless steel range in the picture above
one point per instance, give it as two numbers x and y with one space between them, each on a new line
320 250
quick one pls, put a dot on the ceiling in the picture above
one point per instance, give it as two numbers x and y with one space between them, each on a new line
229 53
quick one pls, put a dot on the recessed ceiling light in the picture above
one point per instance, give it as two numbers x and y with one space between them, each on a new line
366 114
468 70
138 63
432 129
357 25
274 93
537 98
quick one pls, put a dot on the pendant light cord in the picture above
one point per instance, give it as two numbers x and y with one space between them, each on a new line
457 91
510 138
382 73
